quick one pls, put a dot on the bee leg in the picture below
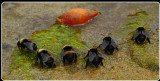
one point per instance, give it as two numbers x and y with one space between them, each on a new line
87 63
116 48
20 49
136 41
75 58
148 40
32 53
101 63
64 61
96 66
36 59
41 63
54 65
86 56
132 38
99 45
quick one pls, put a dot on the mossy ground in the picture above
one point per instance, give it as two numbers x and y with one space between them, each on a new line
145 55
121 65
53 40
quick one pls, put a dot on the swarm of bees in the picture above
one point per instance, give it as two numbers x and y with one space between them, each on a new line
69 54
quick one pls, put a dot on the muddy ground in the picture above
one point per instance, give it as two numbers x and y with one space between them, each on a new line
20 20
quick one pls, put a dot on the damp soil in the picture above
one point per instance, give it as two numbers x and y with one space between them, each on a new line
131 61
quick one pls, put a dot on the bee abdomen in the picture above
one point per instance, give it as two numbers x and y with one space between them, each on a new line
140 39
67 52
109 49
96 61
49 62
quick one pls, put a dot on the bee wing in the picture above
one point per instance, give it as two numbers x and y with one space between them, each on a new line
44 57
104 44
136 34
113 44
78 52
91 56
62 54
54 56
145 33
103 56
29 45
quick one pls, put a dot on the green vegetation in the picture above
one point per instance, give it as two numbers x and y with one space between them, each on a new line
53 39
145 55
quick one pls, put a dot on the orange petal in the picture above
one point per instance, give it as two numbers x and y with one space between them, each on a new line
78 16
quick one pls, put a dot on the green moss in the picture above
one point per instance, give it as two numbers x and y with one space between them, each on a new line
56 37
53 40
133 21
145 55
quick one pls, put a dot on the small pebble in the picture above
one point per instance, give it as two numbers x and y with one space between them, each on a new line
112 67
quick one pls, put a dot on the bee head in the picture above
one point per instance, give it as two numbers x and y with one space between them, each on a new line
140 29
94 50
42 51
34 47
107 38
67 48
23 40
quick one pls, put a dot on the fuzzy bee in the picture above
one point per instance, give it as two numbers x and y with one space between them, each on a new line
94 57
69 55
141 35
25 43
45 58
108 45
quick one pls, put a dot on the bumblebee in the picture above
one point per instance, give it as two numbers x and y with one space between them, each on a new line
69 55
108 45
141 35
94 57
25 43
45 58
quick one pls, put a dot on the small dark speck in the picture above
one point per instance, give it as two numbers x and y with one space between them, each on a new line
112 67
5 45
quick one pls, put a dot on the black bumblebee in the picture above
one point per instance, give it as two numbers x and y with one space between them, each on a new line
94 57
45 58
68 54
25 43
141 35
108 45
